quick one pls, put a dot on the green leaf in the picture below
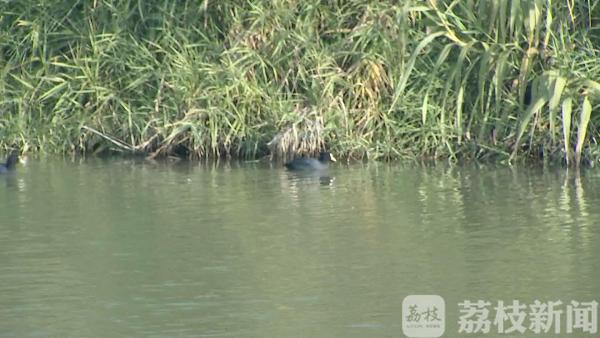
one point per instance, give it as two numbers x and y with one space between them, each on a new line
409 67
559 86
584 120
539 103
566 119
52 91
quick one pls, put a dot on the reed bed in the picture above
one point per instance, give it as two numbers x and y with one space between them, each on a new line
505 80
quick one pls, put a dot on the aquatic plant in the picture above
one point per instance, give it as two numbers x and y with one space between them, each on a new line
502 80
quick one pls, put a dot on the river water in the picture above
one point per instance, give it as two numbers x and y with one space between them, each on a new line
132 248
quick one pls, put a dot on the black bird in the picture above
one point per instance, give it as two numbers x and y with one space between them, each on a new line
11 162
307 163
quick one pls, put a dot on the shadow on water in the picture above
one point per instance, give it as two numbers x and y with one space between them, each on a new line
324 178
9 180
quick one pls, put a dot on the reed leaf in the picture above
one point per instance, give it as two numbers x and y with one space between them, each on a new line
584 120
567 106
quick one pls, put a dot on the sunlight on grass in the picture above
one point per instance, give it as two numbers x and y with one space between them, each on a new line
502 80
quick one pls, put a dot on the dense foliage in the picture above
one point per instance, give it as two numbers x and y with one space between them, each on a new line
466 79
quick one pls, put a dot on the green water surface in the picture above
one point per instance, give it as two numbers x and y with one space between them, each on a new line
131 248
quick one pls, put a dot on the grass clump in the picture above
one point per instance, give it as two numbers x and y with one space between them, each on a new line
506 80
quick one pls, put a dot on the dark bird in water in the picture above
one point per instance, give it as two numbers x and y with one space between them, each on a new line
308 163
11 162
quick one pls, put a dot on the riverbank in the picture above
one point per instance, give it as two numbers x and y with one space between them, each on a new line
506 81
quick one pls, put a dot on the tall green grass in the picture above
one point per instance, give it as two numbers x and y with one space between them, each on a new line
505 80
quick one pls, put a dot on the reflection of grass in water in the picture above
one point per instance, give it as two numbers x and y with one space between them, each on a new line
364 78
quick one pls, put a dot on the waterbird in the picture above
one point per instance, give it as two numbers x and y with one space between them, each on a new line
308 163
11 162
